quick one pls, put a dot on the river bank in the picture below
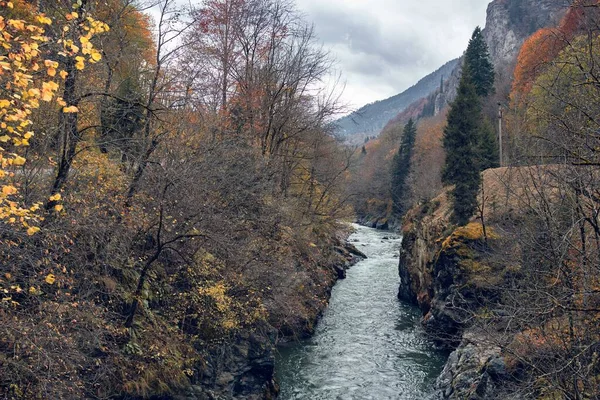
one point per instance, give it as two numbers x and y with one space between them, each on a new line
367 345
244 366
481 292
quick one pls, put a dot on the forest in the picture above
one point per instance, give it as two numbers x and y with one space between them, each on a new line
170 188
174 201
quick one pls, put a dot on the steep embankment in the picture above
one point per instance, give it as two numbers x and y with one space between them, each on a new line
243 366
493 293
453 274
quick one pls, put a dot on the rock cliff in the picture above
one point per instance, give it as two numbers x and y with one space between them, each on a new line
508 24
454 274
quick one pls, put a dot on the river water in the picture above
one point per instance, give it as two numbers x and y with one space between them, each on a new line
368 345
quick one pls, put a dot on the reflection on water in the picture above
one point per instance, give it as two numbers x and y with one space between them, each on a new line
368 345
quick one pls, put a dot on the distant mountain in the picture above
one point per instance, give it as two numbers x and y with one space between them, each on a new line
372 118
508 24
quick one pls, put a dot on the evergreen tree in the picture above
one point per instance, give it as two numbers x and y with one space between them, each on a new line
487 146
477 58
461 142
401 168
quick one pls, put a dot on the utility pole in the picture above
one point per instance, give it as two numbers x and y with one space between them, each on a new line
500 115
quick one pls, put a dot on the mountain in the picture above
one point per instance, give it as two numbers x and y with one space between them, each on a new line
372 118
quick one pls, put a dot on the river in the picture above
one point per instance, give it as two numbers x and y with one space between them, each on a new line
368 345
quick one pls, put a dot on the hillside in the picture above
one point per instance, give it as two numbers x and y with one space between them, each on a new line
513 290
372 118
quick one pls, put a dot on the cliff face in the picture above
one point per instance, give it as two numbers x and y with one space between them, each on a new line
508 24
455 275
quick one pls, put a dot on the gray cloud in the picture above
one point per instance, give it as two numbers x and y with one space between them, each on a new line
385 46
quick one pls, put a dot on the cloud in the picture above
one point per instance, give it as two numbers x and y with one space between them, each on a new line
385 46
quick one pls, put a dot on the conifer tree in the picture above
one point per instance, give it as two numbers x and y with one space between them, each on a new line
477 57
461 143
487 146
401 168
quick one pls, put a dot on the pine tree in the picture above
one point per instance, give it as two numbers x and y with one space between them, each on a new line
401 168
477 57
487 146
461 142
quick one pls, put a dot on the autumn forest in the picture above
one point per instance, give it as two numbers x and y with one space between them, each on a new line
176 197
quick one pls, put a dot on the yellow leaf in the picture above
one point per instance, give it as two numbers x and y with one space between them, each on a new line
4 103
55 197
63 74
58 208
51 64
17 24
8 190
96 56
48 89
32 231
18 160
4 138
42 19
70 109
79 64
50 279
28 135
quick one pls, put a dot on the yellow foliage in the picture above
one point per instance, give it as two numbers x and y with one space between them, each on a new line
472 231
50 279
70 109
20 59
55 197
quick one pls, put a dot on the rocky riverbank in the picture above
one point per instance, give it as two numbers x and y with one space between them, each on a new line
454 274
243 367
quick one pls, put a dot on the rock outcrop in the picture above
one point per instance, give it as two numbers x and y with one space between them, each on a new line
454 275
474 371
510 22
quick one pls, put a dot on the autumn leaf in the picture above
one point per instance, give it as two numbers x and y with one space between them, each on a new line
50 279
48 89
42 19
80 64
55 197
96 56
9 190
70 109
18 161
32 230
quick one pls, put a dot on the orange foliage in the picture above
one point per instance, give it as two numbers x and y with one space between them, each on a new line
544 46
428 157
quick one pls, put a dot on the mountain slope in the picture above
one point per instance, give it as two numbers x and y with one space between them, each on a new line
370 119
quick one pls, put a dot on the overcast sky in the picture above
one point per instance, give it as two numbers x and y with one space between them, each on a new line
385 46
